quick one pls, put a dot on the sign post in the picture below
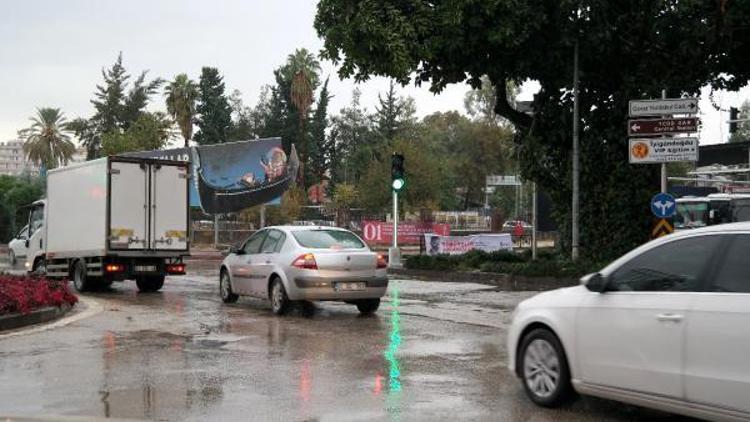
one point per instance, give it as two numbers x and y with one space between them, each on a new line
663 148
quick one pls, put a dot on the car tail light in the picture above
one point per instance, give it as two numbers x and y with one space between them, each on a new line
114 268
176 268
382 261
305 262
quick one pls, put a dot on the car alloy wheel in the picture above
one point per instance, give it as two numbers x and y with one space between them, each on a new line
225 289
541 368
279 301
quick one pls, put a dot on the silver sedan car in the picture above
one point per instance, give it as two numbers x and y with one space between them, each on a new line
301 263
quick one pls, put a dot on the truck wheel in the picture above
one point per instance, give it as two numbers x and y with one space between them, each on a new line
149 283
40 267
80 278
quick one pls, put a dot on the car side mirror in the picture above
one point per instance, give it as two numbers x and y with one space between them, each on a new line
595 282
712 215
27 243
236 250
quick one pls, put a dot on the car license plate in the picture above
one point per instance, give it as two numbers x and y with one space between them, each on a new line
145 268
350 287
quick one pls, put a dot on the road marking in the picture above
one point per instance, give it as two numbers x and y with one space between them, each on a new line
92 308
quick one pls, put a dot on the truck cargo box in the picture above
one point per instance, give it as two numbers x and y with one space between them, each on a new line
118 206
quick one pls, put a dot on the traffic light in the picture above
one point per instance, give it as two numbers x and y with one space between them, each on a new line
398 181
734 115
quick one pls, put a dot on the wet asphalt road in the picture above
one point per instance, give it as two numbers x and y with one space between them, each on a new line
434 351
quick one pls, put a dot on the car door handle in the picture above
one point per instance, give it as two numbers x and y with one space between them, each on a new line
268 262
669 317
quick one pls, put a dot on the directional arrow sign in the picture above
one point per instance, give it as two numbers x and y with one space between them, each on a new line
646 127
661 107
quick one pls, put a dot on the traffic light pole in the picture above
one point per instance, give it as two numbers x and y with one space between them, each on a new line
394 254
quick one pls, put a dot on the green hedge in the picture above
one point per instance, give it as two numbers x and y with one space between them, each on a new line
548 264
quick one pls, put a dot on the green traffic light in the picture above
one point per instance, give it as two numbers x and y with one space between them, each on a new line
398 184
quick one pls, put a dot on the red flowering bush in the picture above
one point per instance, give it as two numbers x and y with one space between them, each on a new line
25 293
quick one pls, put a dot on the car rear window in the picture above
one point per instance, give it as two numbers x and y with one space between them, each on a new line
327 239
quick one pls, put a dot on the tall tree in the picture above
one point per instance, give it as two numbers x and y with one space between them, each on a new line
319 146
46 141
351 142
117 105
215 115
628 50
300 76
393 114
88 133
151 131
181 95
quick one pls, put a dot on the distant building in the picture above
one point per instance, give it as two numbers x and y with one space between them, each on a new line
13 161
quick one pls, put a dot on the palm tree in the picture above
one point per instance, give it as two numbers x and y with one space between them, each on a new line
302 69
46 141
181 95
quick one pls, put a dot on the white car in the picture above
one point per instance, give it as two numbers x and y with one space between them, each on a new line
17 246
295 263
665 326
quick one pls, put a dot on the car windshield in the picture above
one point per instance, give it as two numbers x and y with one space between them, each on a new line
327 239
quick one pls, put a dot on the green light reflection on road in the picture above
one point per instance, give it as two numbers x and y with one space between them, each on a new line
394 373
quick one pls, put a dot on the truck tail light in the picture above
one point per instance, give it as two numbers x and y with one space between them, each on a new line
305 262
178 269
114 268
382 261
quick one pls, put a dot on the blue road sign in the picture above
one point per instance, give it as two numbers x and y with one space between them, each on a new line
663 205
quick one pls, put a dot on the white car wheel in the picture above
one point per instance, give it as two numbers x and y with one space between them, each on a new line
544 369
279 299
225 289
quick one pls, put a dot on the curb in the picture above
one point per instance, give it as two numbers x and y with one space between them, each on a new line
37 316
506 282
85 308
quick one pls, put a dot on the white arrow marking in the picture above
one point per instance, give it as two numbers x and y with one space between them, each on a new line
635 127
663 206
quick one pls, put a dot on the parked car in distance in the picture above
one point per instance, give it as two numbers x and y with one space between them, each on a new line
664 326
303 263
17 245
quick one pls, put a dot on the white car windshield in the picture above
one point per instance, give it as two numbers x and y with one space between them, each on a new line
327 239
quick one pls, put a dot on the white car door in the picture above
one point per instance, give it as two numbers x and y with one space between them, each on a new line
243 264
717 361
631 336
266 261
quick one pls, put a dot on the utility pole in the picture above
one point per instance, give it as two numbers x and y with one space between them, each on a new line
576 169
533 221
664 165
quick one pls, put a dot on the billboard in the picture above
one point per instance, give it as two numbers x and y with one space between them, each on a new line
457 245
233 176
380 233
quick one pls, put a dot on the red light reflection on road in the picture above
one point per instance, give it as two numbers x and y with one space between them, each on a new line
305 381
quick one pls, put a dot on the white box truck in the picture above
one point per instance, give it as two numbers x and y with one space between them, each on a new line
112 219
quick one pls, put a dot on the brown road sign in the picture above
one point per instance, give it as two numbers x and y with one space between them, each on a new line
662 227
649 127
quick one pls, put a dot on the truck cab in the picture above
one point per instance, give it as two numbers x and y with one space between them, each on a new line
35 238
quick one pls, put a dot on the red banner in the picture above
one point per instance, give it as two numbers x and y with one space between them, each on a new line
378 232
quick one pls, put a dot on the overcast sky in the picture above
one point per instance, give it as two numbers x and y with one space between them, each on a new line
52 53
